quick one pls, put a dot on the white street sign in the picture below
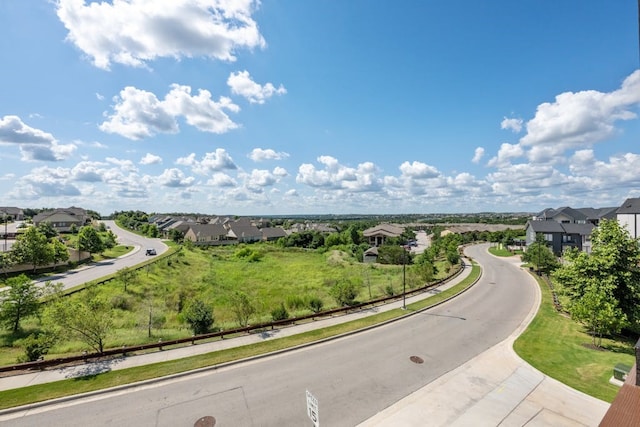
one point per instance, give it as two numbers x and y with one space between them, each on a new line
312 409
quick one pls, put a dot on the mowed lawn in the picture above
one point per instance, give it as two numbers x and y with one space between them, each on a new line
561 349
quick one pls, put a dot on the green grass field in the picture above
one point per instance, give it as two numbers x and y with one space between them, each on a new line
560 348
166 284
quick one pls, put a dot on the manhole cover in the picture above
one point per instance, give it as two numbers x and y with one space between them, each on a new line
207 421
416 359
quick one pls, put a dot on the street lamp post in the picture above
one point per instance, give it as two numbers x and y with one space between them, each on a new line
5 230
404 277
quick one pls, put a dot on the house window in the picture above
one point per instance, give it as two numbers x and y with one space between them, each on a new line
548 237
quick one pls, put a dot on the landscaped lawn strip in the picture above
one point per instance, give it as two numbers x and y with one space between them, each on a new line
559 348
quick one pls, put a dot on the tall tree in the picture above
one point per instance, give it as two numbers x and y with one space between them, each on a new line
47 229
89 240
598 310
19 300
59 250
88 319
614 261
32 247
540 255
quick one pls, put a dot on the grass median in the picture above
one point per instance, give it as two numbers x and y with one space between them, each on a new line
42 392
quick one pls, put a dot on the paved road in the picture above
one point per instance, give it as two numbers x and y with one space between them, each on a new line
353 378
96 270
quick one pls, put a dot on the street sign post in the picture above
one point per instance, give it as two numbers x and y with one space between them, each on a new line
312 409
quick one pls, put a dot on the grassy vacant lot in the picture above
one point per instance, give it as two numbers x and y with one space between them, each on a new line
41 392
560 348
163 288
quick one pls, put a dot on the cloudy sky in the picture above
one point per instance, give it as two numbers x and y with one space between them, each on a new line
292 107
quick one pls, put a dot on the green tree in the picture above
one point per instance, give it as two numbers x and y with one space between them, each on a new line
127 276
242 308
613 262
199 316
89 240
540 255
344 292
59 250
176 235
88 319
109 239
6 261
47 229
19 300
32 247
598 310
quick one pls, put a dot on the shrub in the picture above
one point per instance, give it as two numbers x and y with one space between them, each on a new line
388 290
121 302
279 313
295 302
36 345
315 304
199 316
345 293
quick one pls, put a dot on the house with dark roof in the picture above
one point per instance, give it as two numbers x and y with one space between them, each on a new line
272 233
11 213
560 236
243 233
206 234
628 216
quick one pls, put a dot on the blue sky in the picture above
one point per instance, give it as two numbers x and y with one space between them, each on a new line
313 107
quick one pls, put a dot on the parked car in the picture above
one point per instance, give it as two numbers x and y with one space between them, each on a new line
151 251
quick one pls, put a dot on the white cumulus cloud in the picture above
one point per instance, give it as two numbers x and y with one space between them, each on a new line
150 159
140 114
259 155
134 32
241 84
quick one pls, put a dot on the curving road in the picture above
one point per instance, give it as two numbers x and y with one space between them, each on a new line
353 377
96 270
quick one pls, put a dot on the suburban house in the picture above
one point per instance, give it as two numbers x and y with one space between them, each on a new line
380 233
243 233
63 219
272 233
567 227
10 213
560 236
206 234
628 215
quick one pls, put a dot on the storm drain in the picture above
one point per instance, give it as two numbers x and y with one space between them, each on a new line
207 421
416 359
